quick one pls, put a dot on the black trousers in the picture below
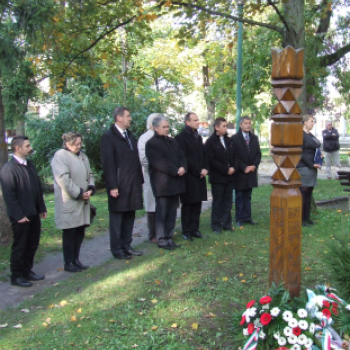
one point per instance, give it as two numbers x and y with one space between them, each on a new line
243 204
306 193
26 239
121 225
190 213
72 238
151 224
166 208
221 206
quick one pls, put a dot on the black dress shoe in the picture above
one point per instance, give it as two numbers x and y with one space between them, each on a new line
197 234
122 256
217 232
70 267
20 282
167 247
250 221
32 276
230 229
239 223
80 265
131 251
187 237
309 221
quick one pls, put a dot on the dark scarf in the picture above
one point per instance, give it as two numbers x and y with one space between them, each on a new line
193 133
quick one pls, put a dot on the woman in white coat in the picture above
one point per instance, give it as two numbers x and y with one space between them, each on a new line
73 187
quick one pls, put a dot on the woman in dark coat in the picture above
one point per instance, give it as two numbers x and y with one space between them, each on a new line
307 167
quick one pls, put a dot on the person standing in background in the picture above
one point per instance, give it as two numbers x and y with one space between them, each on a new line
331 147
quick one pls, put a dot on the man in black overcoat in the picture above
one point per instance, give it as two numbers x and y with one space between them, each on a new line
23 195
191 144
247 149
123 175
167 164
221 158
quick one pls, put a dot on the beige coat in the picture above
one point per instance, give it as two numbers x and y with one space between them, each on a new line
148 197
71 173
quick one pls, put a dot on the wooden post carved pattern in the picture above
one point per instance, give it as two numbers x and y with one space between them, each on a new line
286 139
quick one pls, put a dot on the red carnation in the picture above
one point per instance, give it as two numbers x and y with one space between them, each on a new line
265 319
326 313
326 303
250 304
251 328
335 311
335 305
296 331
265 300
242 320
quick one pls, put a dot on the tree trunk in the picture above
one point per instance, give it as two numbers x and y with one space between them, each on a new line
20 127
5 227
209 101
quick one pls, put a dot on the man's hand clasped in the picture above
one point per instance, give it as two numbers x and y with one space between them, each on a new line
181 171
114 193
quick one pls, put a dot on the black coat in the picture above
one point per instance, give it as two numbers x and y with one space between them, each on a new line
121 170
165 158
246 157
219 159
22 190
310 144
196 187
330 140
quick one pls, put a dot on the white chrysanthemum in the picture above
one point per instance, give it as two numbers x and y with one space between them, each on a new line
287 315
262 335
312 328
287 331
276 335
308 343
282 341
302 339
252 312
275 312
303 325
247 318
347 307
245 331
257 323
266 307
292 323
295 347
292 339
319 315
302 313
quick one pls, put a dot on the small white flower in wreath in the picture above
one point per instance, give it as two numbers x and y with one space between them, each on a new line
262 335
287 315
303 325
282 341
302 313
292 323
312 328
347 307
245 331
295 347
276 335
252 312
266 307
287 331
302 339
275 312
308 343
257 323
292 339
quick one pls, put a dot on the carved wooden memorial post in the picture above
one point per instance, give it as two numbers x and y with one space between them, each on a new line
286 139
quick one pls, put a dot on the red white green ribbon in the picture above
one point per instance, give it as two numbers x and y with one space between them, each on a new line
252 342
326 338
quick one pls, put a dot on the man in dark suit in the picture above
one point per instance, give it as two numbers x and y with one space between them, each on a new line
167 164
123 174
196 187
221 159
24 199
248 153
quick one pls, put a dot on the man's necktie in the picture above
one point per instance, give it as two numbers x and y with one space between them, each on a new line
247 141
223 141
127 139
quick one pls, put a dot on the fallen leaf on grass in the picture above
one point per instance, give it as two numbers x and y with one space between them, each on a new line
105 330
154 301
240 275
184 274
126 261
243 281
73 319
225 279
210 315
158 282
208 254
79 325
339 211
45 324
307 268
194 325
135 346
78 311
39 307
142 299
18 326
154 328
112 321
161 252
48 320
60 269
25 310
140 313
174 325
226 243
222 261
63 303
51 306
216 243
3 325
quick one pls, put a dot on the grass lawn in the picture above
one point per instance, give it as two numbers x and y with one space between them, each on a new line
51 238
182 299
